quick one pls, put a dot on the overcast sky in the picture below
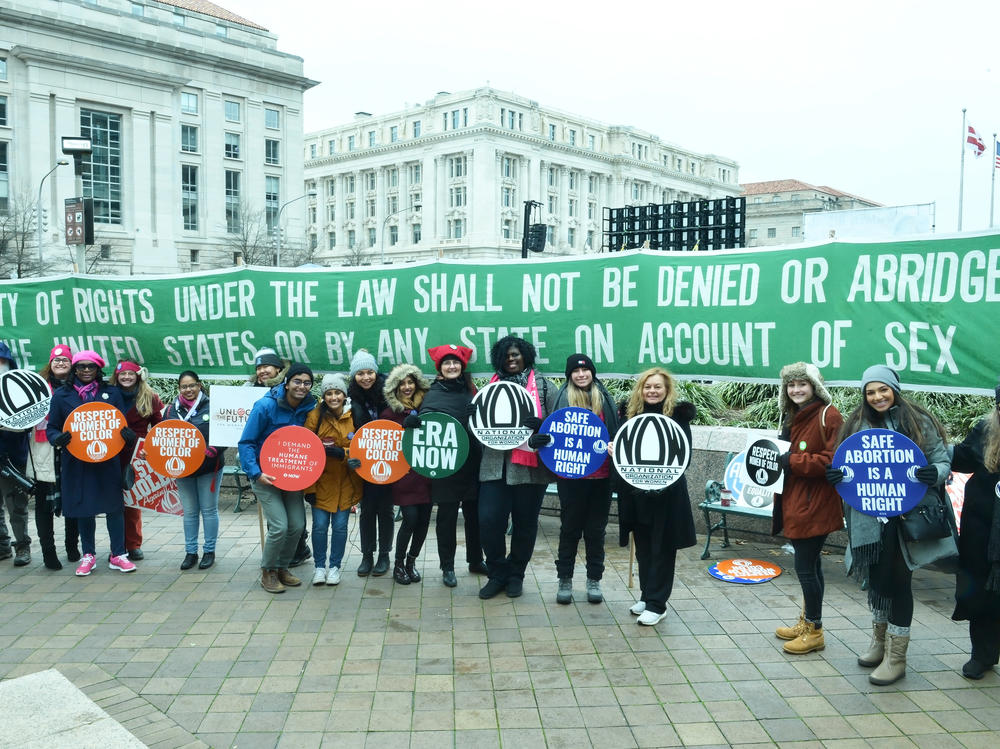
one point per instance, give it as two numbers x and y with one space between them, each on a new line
865 97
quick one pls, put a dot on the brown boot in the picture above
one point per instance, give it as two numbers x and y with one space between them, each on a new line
876 650
893 666
269 582
287 578
790 633
811 639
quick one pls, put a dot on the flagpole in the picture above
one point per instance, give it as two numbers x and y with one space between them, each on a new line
961 171
993 178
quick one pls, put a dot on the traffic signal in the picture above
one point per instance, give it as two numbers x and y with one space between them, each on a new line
45 219
536 237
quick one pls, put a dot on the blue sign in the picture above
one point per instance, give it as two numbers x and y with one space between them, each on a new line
580 443
744 492
879 467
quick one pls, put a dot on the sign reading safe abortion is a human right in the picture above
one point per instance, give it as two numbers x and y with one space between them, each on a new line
879 468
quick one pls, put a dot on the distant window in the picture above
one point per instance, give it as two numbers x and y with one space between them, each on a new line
194 256
572 140
371 237
3 110
416 174
393 134
272 119
350 142
416 234
352 241
416 128
3 69
232 202
4 179
772 233
232 111
189 138
232 146
591 142
331 240
349 182
312 150
272 198
796 231
753 233
180 19
102 178
552 132
571 237
371 138
137 10
221 30
272 151
331 147
189 103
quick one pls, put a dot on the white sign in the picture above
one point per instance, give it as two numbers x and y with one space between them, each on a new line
651 451
762 462
24 399
229 408
500 410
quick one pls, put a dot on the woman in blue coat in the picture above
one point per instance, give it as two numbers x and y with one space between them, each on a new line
90 489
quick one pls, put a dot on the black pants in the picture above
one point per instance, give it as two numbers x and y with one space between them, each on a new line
412 530
446 529
985 635
656 569
891 578
376 509
520 503
583 511
45 521
809 569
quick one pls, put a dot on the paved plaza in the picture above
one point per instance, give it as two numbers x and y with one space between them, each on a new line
209 659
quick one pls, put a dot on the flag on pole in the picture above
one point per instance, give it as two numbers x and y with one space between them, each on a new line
996 148
973 141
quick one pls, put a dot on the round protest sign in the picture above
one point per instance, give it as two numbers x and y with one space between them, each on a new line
96 428
651 451
580 443
763 463
743 491
501 409
379 447
438 447
24 399
744 571
175 448
879 466
294 456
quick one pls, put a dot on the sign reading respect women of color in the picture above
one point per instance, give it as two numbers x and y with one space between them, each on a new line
920 307
379 446
878 467
96 432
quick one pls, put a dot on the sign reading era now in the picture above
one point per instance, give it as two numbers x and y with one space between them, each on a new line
437 448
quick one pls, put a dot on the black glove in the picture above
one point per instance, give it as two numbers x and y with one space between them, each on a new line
834 475
533 423
63 439
536 441
786 461
470 410
927 475
311 499
128 434
412 422
353 463
334 451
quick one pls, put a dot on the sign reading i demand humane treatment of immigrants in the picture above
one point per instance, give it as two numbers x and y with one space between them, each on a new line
580 443
294 456
651 451
175 448
879 466
24 399
438 447
500 410
96 428
379 446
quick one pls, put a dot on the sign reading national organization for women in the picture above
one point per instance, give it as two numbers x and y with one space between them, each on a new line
920 307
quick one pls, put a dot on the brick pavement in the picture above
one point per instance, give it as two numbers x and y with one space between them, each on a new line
208 658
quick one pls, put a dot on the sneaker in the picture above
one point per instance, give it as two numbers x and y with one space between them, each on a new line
319 576
650 618
564 594
302 553
594 594
87 564
121 562
333 576
23 557
637 608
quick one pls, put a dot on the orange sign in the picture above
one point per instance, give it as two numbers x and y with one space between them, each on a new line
379 447
175 448
294 456
745 571
151 491
96 428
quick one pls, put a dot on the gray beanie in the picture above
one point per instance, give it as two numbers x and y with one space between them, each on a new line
333 382
880 373
362 360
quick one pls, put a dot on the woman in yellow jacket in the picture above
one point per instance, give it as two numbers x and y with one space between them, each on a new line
339 487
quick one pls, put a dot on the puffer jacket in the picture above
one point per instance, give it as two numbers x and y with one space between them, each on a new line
412 489
338 487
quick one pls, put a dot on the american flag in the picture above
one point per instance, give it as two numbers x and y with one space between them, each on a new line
996 147
973 141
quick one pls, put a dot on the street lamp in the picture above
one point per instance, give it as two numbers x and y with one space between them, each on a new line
381 238
38 206
310 194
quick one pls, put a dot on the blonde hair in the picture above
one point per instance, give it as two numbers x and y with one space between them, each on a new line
636 404
143 392
590 399
991 450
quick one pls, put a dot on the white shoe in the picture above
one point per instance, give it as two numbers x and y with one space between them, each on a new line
637 608
333 576
319 576
650 618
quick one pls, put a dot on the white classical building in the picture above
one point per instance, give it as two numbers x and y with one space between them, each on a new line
194 114
448 179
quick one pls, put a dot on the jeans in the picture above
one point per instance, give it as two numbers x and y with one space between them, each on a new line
446 530
376 509
656 571
416 521
809 569
583 511
337 523
200 496
116 530
520 503
16 502
285 515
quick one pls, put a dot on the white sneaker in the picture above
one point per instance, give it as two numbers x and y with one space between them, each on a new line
333 576
649 618
319 576
637 608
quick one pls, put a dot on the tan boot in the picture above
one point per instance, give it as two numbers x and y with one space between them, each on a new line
790 633
287 578
811 639
269 582
876 650
893 665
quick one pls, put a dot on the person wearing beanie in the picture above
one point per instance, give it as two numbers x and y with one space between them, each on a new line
287 404
405 388
877 552
977 586
451 393
90 489
144 410
338 488
269 368
584 503
808 508
13 448
366 390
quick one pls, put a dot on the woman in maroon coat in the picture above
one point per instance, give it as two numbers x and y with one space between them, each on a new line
808 509
405 388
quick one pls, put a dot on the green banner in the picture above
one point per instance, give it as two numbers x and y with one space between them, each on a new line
928 309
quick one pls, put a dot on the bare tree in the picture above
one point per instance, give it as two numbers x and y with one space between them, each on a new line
357 255
19 255
252 239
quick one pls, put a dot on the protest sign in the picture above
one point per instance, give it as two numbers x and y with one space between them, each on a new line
24 399
294 457
879 466
499 412
745 493
762 462
151 490
229 408
438 447
651 451
379 446
96 429
580 443
744 571
175 448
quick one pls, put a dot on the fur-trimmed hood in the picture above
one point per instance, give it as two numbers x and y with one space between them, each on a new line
396 376
801 371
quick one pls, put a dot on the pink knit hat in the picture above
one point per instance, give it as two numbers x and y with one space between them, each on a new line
91 356
61 350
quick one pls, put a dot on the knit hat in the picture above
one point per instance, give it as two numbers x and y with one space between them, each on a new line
880 373
333 382
801 370
362 360
127 366
580 360
440 353
91 356
268 357
61 350
298 369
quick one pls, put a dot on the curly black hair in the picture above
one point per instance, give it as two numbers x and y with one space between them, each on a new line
498 354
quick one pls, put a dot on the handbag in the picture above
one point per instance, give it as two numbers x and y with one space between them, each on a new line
926 522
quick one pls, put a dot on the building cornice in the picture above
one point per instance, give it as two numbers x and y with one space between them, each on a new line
112 70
